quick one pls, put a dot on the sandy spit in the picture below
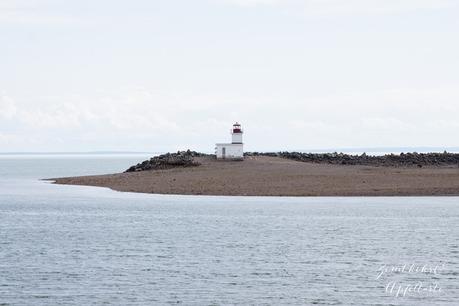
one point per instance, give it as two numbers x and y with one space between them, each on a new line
273 176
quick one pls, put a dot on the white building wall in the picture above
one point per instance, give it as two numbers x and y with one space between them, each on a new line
229 151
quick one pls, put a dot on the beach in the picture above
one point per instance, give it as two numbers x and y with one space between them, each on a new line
275 176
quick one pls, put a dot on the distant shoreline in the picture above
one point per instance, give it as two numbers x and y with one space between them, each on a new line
357 150
260 175
80 153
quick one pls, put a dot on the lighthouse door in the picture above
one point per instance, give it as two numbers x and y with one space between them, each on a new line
223 152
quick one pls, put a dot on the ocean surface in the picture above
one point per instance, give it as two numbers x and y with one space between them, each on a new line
74 245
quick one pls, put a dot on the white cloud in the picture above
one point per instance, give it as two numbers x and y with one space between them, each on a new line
348 7
7 107
403 117
19 17
254 2
34 12
59 118
141 119
17 4
372 6
5 139
134 110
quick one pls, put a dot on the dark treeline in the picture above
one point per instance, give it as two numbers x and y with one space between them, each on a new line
389 160
168 161
186 159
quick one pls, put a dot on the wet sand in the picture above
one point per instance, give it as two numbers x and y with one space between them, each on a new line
274 176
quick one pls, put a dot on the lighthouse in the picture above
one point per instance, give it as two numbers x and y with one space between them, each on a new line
233 150
236 133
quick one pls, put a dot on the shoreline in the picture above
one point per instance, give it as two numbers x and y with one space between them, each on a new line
275 176
53 181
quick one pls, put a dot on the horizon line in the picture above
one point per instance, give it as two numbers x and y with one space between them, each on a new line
344 149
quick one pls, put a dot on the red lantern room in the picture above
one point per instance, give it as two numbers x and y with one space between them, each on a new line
236 128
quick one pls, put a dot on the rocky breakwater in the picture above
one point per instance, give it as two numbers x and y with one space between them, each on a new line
180 159
389 160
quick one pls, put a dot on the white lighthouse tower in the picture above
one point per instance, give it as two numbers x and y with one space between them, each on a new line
236 133
233 150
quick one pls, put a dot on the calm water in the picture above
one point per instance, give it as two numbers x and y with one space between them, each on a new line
68 245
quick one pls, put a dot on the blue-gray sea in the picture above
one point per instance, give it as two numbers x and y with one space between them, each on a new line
74 245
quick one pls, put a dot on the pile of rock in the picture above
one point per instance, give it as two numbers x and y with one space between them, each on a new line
168 161
390 160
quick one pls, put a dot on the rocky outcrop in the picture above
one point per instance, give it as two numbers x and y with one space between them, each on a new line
167 161
183 159
390 160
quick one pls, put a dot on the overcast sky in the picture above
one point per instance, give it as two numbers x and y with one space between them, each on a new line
162 75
